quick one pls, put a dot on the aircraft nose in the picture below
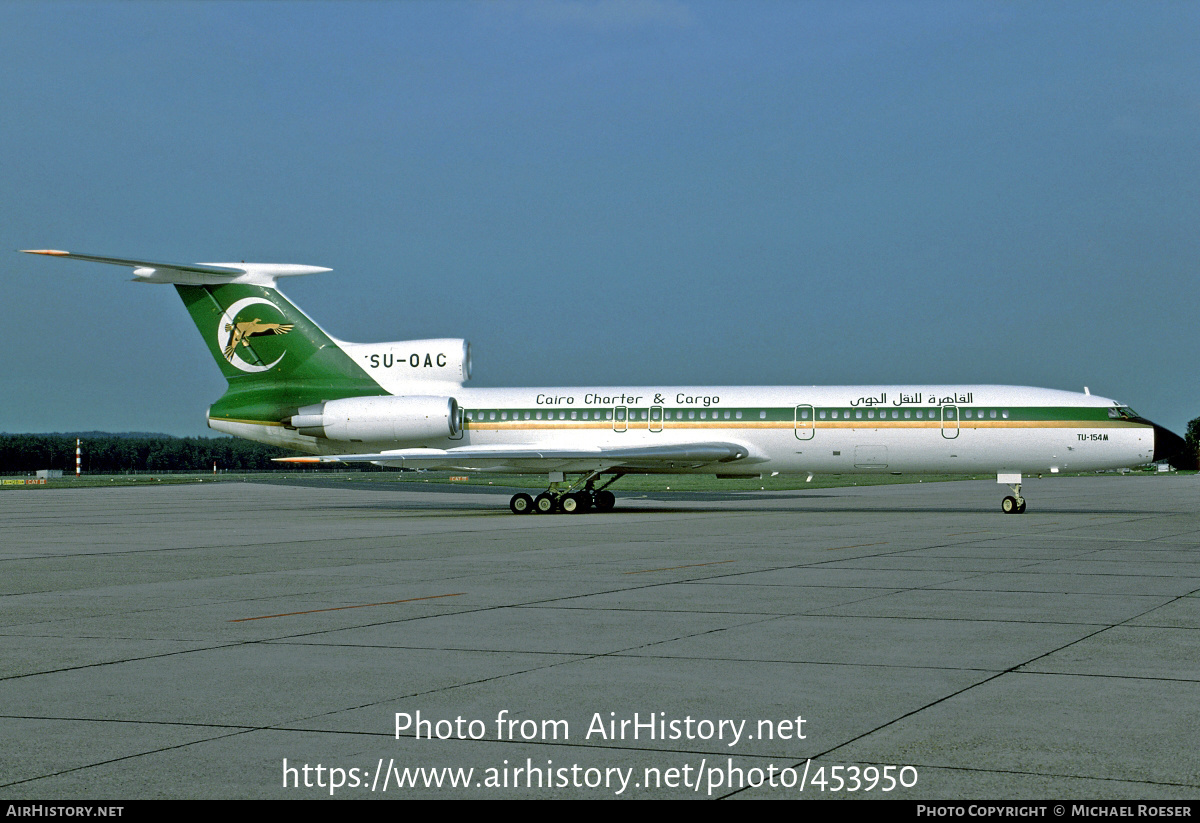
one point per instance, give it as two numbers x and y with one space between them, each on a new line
1171 447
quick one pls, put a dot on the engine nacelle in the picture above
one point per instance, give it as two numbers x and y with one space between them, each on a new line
361 419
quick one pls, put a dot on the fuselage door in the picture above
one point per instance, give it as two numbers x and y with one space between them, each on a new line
656 418
806 422
620 418
949 422
870 457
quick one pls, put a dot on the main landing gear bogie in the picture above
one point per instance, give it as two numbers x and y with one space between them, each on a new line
548 503
572 500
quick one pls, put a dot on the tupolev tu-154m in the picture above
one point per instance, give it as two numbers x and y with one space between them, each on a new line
404 405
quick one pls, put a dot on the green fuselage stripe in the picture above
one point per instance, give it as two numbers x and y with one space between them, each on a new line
788 417
820 417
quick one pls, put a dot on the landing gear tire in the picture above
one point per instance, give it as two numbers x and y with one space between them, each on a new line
1013 505
605 500
545 503
573 504
521 504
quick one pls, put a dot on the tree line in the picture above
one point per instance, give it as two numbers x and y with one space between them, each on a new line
1192 438
106 453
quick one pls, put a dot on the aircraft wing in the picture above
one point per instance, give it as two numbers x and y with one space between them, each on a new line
537 459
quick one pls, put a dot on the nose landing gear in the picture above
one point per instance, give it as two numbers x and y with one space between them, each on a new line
1014 504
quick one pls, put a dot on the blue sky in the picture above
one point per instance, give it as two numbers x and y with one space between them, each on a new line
639 192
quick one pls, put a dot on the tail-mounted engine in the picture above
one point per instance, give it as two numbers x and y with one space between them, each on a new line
367 419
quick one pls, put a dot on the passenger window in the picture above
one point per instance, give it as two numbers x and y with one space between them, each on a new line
1004 414
858 415
573 417
739 415
539 415
762 415
992 414
907 414
822 415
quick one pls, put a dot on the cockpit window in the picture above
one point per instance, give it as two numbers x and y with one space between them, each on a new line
1122 413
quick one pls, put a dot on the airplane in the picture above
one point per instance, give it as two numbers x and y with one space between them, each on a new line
404 405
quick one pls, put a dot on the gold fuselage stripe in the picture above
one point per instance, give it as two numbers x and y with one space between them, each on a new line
542 425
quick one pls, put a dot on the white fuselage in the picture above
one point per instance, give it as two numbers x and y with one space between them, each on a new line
958 429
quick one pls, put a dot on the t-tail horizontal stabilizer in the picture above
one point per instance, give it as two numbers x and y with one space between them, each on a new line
194 274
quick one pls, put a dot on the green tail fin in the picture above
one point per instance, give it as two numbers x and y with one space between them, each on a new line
274 358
